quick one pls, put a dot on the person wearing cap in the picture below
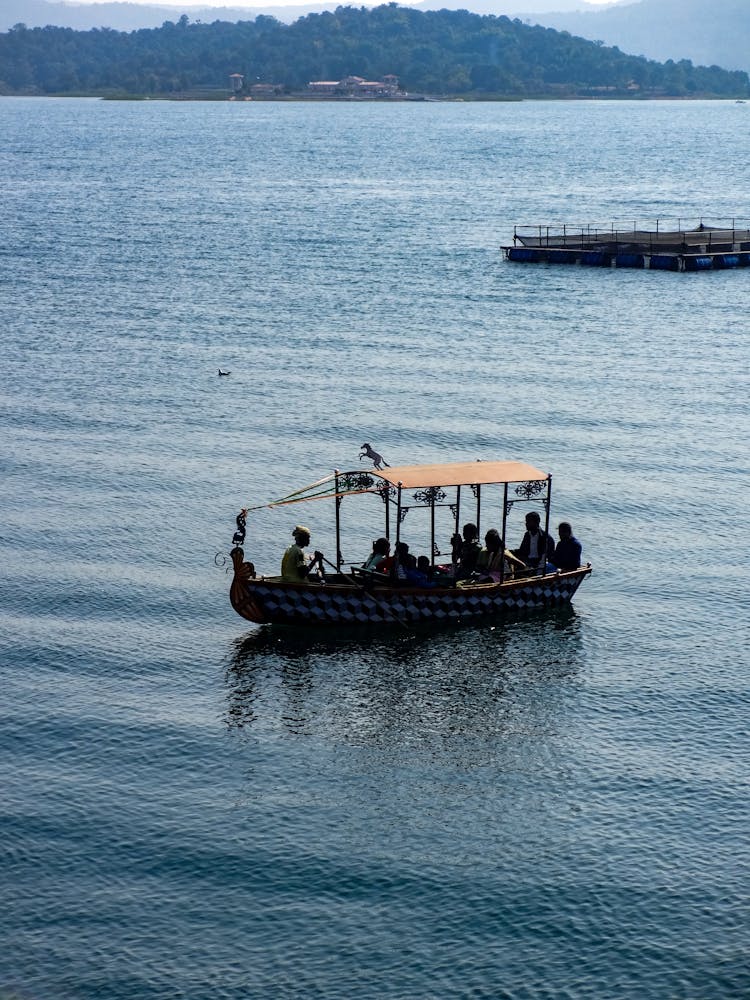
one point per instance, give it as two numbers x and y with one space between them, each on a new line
294 565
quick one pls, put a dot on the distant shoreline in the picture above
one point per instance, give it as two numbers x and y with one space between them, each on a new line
409 99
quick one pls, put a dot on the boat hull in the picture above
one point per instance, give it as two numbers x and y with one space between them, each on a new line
277 602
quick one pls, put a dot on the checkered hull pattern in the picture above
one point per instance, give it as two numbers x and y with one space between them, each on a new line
274 602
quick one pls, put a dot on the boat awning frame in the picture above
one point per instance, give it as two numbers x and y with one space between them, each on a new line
340 484
430 481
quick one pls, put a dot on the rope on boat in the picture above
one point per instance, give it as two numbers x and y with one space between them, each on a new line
304 494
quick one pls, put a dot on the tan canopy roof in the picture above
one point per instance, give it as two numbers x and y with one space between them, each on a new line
460 473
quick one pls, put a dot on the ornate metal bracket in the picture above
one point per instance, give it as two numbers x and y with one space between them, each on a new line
433 494
528 490
527 494
355 481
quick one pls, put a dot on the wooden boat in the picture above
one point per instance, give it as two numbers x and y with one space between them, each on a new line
358 597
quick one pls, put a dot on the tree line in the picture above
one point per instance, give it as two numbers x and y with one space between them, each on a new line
440 53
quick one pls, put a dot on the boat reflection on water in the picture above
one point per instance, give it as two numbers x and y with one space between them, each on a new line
411 688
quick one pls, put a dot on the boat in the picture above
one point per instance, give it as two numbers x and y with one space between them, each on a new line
357 597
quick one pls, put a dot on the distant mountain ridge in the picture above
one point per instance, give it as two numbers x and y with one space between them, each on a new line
714 33
124 16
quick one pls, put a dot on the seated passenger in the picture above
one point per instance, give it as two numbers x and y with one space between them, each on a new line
424 566
567 554
536 545
294 565
419 571
401 560
466 549
495 562
380 549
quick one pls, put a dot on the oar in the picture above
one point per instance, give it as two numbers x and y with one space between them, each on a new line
383 607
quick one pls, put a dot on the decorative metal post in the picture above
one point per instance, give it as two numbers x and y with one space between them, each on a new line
479 507
339 560
502 533
398 515
546 519
432 528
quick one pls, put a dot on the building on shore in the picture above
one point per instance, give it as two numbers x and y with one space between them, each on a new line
355 86
266 89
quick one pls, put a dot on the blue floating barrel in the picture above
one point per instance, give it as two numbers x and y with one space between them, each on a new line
563 256
723 260
744 259
664 262
698 263
526 254
629 260
596 258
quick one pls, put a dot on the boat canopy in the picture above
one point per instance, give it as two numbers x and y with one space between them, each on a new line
341 484
427 485
460 474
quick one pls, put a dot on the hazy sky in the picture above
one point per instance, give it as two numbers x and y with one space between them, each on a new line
518 6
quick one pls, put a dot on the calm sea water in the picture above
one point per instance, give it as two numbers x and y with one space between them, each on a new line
552 807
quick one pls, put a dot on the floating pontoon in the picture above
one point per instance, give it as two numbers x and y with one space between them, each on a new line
702 247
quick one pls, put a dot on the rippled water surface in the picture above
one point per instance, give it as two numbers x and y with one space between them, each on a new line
549 807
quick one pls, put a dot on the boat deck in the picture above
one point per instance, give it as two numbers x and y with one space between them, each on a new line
702 247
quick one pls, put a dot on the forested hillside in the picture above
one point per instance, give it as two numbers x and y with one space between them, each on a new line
441 53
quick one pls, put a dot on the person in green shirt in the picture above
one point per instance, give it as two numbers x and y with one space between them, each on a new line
294 565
